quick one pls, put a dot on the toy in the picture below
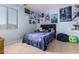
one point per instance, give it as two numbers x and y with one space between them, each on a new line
73 39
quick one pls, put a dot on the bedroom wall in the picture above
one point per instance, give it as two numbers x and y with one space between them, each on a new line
11 35
66 27
62 27
47 22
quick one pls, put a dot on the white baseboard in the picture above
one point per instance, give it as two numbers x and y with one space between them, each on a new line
12 42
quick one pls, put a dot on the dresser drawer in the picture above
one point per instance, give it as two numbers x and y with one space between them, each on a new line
1 52
2 48
2 43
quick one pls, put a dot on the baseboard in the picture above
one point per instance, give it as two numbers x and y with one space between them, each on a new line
13 41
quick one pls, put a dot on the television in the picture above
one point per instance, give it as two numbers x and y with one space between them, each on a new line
27 11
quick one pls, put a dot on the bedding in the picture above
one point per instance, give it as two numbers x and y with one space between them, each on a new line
39 39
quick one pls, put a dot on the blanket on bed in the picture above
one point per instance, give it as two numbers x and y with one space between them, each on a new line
39 39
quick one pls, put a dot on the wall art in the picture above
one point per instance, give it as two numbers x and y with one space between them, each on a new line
66 14
47 17
30 21
54 18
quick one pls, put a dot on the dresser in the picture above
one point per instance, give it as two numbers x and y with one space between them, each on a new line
1 45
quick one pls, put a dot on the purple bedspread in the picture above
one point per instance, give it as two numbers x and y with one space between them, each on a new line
37 36
39 39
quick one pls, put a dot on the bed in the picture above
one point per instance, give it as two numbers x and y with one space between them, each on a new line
39 39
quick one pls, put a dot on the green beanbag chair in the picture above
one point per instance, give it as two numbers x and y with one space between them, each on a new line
73 39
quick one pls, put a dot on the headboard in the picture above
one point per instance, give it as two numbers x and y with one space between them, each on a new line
48 26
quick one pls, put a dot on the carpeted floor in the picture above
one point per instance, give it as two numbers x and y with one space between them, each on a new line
54 47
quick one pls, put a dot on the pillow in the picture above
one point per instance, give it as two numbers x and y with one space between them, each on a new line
52 30
37 30
73 38
40 29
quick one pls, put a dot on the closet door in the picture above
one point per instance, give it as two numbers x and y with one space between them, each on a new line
3 17
12 18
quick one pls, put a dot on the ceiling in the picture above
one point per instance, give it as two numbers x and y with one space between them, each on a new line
43 7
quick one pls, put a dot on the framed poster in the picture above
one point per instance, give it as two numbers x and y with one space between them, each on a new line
54 18
66 14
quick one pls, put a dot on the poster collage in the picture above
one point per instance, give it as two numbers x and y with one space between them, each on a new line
65 15
43 18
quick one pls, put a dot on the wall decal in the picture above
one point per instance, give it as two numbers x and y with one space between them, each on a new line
54 18
30 21
66 14
34 22
38 20
32 15
33 18
42 15
47 17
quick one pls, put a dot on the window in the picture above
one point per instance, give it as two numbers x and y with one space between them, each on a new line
8 18
12 18
3 17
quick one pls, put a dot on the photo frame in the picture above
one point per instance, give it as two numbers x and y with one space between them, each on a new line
54 18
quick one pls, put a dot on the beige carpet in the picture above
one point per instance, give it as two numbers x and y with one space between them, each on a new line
54 47
22 48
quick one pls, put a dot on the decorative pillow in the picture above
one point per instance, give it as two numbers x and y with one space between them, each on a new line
52 30
73 38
